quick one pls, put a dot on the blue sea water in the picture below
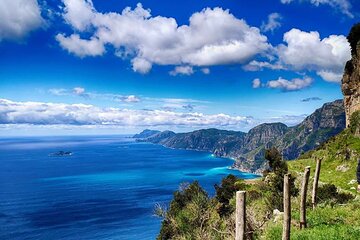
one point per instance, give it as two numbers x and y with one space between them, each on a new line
106 189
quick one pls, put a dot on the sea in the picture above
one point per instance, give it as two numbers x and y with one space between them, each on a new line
106 189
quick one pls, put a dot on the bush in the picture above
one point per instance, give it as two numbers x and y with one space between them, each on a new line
355 122
328 193
185 211
275 179
226 191
354 37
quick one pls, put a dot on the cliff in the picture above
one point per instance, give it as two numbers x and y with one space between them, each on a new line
247 149
351 77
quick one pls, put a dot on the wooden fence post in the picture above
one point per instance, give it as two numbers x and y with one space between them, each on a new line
240 217
303 198
287 208
316 182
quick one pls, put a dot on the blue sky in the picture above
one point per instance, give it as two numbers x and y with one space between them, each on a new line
115 66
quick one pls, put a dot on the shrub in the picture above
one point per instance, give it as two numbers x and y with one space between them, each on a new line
328 193
354 37
275 179
355 122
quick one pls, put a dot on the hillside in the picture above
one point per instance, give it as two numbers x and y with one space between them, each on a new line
248 148
193 214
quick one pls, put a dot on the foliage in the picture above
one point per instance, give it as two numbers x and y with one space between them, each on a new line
275 179
354 37
355 122
328 193
226 191
192 214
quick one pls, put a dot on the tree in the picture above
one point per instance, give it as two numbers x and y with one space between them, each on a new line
275 179
226 191
354 37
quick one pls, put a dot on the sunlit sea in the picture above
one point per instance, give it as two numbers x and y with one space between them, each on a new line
106 189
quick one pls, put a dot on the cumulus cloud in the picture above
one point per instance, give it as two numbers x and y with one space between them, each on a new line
81 47
40 113
290 85
18 18
256 83
79 13
212 37
182 70
272 23
343 6
141 65
307 51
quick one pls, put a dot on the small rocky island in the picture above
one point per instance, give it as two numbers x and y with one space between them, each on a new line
61 154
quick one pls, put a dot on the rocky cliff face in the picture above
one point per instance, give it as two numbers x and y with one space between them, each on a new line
247 149
351 77
314 130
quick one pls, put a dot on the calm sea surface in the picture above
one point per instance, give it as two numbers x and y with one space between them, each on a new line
106 190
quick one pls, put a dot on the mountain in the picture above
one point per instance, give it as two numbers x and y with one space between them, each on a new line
314 130
146 133
159 138
247 149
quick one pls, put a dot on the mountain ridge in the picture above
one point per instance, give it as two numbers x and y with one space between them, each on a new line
247 149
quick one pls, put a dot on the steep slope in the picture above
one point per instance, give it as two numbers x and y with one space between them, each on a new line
213 140
315 129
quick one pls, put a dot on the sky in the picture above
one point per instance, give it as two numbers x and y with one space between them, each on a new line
71 67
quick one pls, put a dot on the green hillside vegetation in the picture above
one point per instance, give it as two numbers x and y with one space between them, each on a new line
193 214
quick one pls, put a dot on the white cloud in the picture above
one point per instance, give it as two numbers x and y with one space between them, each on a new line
213 36
141 65
18 18
256 83
258 65
343 6
79 13
307 51
81 47
79 90
330 76
272 23
131 99
40 113
59 91
205 70
290 85
182 70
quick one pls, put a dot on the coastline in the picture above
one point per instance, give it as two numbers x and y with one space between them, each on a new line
232 167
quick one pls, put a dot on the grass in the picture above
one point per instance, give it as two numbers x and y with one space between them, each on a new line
341 151
328 221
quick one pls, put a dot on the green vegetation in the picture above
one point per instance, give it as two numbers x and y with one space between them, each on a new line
194 215
354 37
